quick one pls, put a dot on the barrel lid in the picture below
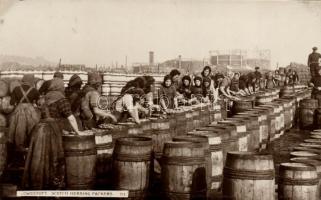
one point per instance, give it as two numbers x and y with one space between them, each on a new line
191 138
248 155
311 145
134 141
296 167
308 161
318 141
181 144
128 124
315 136
303 154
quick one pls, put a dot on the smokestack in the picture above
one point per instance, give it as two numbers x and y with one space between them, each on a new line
151 58
179 62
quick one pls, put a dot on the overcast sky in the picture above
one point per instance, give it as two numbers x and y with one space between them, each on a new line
105 31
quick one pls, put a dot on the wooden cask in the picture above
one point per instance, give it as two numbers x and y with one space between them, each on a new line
4 89
3 152
180 128
298 181
249 175
196 118
242 105
160 134
307 112
315 163
215 170
131 165
146 125
104 147
242 134
183 171
228 137
132 128
80 155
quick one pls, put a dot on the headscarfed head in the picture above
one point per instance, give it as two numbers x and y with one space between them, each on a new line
206 71
28 79
186 79
167 79
75 80
94 79
58 75
57 85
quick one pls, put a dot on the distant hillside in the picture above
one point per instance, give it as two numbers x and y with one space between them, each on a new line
8 62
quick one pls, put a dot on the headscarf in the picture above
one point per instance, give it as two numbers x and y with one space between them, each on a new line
94 78
28 79
208 80
167 77
186 78
58 75
205 68
74 80
198 78
56 91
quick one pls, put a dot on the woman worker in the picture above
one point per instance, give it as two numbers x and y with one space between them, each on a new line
90 113
44 168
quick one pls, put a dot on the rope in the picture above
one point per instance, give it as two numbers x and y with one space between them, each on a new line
80 152
248 174
132 158
182 160
307 182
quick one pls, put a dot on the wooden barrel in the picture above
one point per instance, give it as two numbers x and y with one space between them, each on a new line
160 134
294 178
104 147
172 124
315 163
287 91
242 105
263 99
3 152
180 128
4 89
189 120
249 175
132 128
214 173
131 165
252 127
196 118
228 135
215 115
241 132
183 171
307 111
146 125
80 155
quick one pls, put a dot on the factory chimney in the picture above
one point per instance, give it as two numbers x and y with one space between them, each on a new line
179 62
151 58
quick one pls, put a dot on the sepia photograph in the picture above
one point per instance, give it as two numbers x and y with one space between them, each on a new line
160 100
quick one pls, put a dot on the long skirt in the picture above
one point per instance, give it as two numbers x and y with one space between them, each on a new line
22 121
45 163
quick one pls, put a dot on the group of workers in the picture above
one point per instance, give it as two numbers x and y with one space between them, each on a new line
41 116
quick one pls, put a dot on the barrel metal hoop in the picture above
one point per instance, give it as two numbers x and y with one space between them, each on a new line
217 178
288 181
217 147
104 146
186 195
132 158
82 152
248 174
182 160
